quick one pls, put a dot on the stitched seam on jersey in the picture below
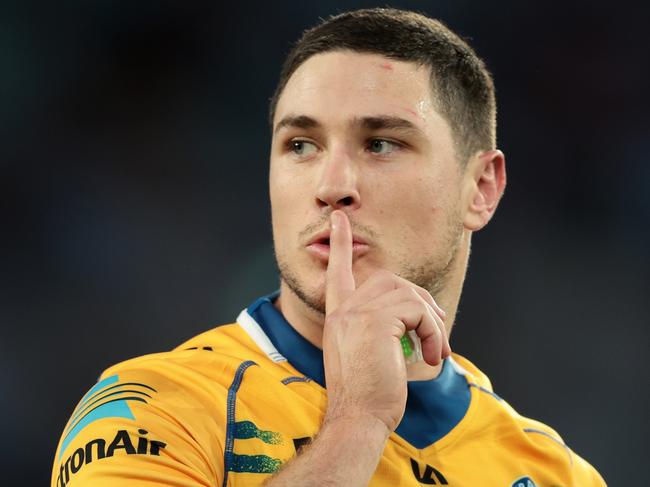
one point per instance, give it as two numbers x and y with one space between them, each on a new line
289 380
487 391
559 442
230 418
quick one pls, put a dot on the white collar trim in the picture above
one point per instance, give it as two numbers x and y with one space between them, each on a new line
254 330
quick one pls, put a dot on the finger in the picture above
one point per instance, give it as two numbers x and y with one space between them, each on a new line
432 302
417 316
405 295
382 282
433 340
446 347
375 299
438 315
425 295
390 298
340 280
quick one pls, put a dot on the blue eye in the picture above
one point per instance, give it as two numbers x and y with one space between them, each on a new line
302 148
382 147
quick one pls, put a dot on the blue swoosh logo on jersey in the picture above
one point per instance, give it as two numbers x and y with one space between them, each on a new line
100 402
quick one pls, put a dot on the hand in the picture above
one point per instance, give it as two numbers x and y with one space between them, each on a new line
364 363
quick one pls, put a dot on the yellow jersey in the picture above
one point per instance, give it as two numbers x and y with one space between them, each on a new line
231 406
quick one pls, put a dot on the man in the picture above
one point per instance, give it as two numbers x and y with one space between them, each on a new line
383 163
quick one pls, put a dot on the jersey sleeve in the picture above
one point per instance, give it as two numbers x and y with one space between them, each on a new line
585 474
569 466
140 427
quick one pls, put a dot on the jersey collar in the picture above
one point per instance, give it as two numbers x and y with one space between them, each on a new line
433 408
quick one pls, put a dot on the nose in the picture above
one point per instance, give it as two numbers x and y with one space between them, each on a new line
337 184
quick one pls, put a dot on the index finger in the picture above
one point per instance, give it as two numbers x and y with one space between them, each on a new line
340 280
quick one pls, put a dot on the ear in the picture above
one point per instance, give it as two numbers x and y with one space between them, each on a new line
485 181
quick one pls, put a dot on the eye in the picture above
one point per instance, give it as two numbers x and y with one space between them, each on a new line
302 148
382 147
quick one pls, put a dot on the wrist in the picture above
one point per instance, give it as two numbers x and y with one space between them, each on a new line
336 450
357 424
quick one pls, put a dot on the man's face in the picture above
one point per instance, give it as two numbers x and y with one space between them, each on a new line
359 132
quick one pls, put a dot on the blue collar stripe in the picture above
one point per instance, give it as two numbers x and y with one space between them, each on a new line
433 407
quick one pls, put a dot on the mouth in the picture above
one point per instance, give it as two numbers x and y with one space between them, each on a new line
319 246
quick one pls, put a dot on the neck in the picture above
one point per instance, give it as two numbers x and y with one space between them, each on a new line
309 322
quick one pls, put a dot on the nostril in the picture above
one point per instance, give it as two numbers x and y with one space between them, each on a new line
347 201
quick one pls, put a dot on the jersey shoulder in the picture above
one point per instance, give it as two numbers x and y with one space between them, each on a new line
532 439
473 374
162 415
552 449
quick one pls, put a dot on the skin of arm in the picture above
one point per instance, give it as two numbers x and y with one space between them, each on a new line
334 457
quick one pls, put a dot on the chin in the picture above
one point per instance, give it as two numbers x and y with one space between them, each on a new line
302 285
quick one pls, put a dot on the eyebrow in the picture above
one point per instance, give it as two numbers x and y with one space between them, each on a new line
386 122
300 122
370 123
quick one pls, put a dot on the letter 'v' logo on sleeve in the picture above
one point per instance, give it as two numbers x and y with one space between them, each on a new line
427 477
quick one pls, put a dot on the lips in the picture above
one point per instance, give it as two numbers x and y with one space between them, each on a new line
323 237
319 246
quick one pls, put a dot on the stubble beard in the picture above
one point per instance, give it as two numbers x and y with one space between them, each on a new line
432 274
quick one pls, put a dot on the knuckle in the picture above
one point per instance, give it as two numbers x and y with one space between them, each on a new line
433 332
424 293
414 295
404 294
437 332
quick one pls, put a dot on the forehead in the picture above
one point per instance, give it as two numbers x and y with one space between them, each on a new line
342 85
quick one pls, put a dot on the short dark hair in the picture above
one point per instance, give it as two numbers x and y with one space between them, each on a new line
462 87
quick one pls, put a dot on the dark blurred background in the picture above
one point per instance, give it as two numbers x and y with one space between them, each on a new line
134 204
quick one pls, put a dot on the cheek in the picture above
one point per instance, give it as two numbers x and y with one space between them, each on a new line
281 189
413 201
424 217
278 188
418 209
287 195
288 184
